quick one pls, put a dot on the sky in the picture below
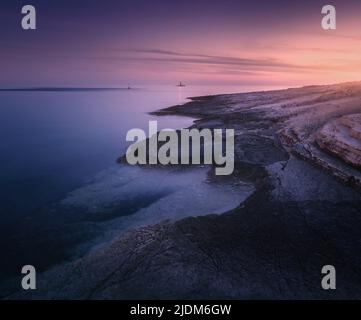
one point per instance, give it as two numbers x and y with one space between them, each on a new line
115 42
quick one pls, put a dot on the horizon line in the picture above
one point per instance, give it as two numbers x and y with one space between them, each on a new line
60 89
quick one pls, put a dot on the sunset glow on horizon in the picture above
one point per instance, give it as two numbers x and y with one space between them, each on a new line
200 42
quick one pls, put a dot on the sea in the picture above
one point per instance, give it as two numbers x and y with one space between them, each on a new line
62 192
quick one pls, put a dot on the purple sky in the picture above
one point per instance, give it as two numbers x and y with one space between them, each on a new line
111 43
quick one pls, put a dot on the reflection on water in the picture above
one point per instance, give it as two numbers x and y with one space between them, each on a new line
180 95
54 142
51 142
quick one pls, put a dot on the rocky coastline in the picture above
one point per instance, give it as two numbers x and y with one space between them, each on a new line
301 150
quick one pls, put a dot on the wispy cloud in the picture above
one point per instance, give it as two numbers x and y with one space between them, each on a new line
239 63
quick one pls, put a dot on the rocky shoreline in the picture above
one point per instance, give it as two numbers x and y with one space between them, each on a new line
304 214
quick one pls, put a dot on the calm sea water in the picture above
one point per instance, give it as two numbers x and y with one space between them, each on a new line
52 143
